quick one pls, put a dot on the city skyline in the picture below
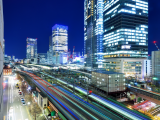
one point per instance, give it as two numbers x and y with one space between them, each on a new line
12 38
62 64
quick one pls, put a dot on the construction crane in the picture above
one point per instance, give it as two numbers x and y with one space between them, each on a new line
156 45
70 57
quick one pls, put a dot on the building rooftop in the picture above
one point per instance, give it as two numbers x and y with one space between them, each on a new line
35 93
59 26
42 94
106 72
6 67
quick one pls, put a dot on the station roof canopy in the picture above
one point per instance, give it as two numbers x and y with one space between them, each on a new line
106 72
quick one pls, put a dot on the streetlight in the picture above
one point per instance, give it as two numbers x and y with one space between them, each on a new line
29 106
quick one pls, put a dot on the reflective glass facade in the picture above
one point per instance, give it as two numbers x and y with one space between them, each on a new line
156 67
59 38
31 48
125 29
93 33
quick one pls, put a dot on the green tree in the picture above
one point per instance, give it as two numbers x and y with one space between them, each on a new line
35 111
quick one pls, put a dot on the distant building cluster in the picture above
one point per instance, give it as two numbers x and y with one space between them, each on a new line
57 54
9 59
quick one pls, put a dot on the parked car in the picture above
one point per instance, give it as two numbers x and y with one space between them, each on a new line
20 93
22 98
24 103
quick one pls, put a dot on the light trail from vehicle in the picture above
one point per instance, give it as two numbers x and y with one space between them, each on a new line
124 111
88 111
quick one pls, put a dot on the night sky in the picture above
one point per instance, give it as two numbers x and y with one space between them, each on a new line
35 18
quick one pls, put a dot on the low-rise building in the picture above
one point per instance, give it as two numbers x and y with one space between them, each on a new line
134 67
7 70
42 100
109 81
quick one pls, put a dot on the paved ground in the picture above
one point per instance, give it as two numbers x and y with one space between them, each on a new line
13 108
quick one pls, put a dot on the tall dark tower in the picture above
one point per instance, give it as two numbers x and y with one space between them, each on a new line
93 33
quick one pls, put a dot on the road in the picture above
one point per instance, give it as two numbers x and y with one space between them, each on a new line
13 108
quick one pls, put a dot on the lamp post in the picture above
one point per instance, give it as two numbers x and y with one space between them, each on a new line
29 106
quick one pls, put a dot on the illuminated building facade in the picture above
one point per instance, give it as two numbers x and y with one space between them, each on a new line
112 82
156 67
125 35
7 70
59 41
31 48
42 58
1 57
126 29
93 33
132 67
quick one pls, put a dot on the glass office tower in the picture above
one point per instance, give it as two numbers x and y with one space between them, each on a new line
125 29
59 38
93 33
31 48
125 41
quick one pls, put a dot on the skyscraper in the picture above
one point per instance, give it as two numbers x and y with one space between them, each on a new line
31 48
59 41
93 33
50 52
1 57
125 41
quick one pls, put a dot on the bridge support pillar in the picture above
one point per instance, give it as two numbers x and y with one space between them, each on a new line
136 99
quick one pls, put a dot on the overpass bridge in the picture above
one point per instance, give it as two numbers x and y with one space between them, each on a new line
146 94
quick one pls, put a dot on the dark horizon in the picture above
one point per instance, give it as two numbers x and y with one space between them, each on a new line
35 19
